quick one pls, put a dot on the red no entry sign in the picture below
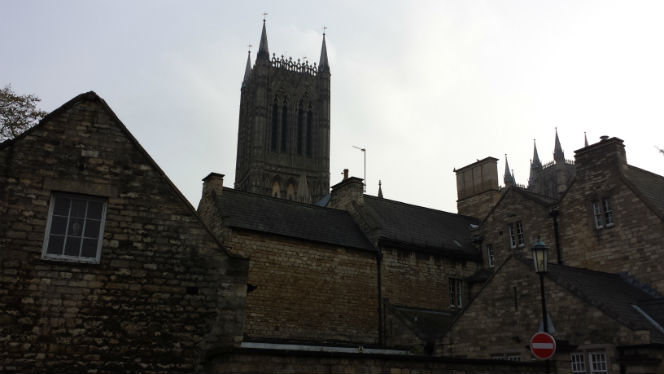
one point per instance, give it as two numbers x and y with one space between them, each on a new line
543 345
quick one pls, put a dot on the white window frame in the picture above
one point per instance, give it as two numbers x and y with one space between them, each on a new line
597 362
608 212
455 288
578 362
519 234
491 259
510 228
49 222
603 213
597 214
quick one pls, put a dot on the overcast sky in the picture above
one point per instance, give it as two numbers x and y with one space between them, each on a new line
424 86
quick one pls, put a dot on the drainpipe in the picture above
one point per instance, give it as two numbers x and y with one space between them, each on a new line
379 257
555 211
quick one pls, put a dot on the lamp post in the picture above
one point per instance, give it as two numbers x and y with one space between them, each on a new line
540 260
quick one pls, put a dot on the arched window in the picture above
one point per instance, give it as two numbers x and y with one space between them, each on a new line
275 126
300 128
290 191
309 131
276 189
284 126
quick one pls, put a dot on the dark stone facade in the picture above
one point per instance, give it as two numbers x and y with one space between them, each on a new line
284 128
164 292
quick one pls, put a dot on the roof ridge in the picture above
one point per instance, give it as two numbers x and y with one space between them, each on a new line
396 202
282 201
636 168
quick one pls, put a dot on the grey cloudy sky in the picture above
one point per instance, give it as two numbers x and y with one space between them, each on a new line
425 86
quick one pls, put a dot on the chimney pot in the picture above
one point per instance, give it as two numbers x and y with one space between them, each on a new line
345 174
604 137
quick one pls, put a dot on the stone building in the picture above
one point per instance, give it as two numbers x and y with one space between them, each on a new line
284 127
606 235
104 265
552 178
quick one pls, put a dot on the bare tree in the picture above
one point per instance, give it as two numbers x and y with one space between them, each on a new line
17 113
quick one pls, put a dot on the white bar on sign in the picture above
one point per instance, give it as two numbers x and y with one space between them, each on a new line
543 345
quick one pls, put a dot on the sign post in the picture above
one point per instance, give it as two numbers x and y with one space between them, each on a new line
543 345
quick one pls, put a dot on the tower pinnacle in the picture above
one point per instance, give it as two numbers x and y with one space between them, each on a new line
247 69
558 154
323 65
536 161
263 50
508 178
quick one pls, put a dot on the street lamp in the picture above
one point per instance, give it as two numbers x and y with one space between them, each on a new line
540 259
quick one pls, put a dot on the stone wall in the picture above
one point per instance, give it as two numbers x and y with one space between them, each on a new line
164 291
503 318
308 291
516 207
272 361
634 241
421 280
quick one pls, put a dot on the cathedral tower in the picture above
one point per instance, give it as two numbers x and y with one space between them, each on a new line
283 145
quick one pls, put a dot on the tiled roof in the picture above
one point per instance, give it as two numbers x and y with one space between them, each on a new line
649 185
614 296
421 227
290 219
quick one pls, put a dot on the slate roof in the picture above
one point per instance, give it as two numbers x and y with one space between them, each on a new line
649 185
427 324
425 228
613 295
290 219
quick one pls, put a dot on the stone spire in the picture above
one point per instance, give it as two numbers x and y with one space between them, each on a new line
380 189
558 154
303 194
508 178
323 65
536 161
247 70
263 50
585 139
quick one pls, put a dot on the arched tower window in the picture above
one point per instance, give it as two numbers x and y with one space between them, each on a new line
300 127
309 131
290 191
276 189
284 126
275 126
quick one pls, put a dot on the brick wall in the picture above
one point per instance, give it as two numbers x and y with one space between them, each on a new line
308 291
164 291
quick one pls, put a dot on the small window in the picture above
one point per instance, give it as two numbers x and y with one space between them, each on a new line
597 212
578 362
276 189
603 213
75 228
489 255
597 362
608 213
510 228
455 292
519 233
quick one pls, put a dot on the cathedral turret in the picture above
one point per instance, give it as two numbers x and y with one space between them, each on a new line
535 167
263 50
247 70
509 177
558 154
585 139
323 65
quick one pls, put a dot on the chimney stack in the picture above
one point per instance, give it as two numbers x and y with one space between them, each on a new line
214 182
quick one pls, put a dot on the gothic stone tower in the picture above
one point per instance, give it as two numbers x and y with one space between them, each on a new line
284 128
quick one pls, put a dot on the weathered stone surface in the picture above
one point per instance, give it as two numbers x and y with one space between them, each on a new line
164 291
